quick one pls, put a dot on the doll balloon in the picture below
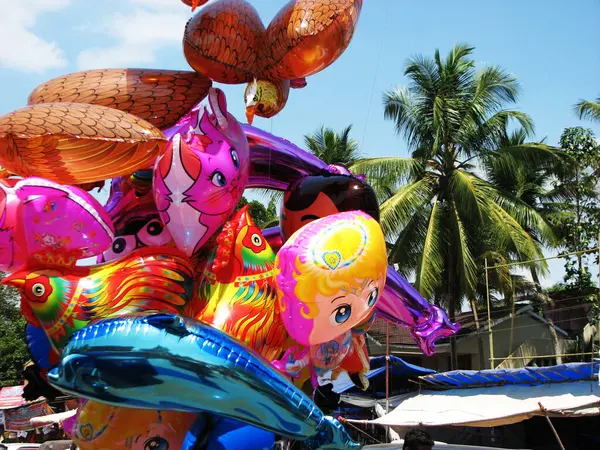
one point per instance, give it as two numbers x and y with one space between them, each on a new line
331 274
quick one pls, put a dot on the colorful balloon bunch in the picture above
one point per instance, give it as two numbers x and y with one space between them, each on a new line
195 327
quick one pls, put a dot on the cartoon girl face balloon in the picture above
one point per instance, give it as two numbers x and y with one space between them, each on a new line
102 427
332 271
200 178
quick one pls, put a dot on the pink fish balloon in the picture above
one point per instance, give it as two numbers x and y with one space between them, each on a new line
41 219
200 178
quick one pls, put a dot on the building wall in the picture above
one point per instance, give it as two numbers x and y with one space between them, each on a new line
527 329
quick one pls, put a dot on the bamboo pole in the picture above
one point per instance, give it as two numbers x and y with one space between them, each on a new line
387 368
543 356
551 426
489 314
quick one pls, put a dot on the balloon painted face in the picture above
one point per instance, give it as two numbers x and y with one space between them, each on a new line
99 427
317 196
332 271
199 180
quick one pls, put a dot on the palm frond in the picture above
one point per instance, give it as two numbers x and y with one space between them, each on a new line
466 268
431 263
397 210
588 110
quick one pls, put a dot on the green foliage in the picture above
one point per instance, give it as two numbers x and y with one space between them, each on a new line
461 197
13 346
332 147
588 110
577 188
263 217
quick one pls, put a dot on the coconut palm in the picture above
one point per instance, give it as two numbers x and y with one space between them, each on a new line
588 110
436 201
332 147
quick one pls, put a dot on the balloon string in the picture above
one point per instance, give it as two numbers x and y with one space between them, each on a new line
270 147
383 35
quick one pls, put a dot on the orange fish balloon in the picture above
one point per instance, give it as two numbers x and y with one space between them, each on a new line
160 97
227 42
76 143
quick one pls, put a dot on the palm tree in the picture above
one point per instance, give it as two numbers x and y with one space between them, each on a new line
436 201
588 110
333 148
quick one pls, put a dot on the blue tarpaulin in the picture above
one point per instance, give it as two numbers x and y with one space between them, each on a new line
398 368
525 376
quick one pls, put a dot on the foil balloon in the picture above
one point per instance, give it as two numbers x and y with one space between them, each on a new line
103 427
196 368
402 304
40 218
237 291
314 196
227 434
62 299
317 196
331 273
134 214
305 363
160 97
200 179
75 143
304 38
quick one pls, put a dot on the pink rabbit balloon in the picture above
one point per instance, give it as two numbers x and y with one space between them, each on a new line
200 178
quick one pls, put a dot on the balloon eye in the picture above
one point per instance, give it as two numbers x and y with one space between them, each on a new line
256 240
218 179
340 315
38 289
156 443
235 158
154 229
119 245
373 295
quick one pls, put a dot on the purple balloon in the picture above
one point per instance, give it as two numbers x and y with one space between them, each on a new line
276 162
403 305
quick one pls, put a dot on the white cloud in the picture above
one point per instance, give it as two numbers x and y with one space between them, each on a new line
22 49
140 29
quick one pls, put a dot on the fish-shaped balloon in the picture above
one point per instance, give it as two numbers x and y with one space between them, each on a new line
167 362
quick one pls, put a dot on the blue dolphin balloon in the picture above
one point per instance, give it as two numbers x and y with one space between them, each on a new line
164 361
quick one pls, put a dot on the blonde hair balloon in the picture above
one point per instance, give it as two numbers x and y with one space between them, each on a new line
331 273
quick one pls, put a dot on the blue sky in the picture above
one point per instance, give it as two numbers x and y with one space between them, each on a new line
551 46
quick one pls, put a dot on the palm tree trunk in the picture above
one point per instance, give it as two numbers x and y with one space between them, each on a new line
451 302
479 337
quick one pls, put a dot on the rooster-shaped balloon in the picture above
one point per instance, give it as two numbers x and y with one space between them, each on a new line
65 299
237 292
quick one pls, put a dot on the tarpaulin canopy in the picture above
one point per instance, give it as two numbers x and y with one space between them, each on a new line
493 406
11 397
398 368
526 375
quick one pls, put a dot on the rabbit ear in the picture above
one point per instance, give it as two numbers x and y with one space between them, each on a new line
218 104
